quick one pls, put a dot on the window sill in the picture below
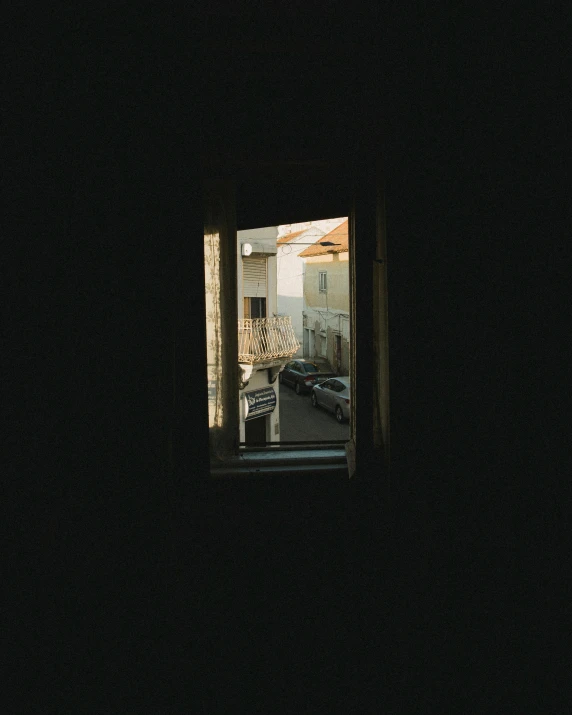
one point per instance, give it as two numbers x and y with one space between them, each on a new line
296 461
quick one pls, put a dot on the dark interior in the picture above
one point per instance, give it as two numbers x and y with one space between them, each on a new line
158 587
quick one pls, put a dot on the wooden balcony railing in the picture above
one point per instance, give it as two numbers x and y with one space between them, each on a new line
264 339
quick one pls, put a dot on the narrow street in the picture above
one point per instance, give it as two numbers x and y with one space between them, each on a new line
300 421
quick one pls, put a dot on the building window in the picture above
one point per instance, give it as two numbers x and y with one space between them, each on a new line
323 275
255 307
254 277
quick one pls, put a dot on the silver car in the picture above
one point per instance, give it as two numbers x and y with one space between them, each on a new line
334 395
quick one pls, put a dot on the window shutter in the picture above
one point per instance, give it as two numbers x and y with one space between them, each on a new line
254 277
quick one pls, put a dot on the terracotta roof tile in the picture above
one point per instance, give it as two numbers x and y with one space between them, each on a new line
339 235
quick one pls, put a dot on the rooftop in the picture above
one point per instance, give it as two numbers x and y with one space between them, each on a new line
338 235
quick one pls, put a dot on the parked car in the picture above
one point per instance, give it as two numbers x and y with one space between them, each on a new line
333 395
302 375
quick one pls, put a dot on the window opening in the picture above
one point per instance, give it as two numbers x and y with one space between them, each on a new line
255 307
269 343
293 331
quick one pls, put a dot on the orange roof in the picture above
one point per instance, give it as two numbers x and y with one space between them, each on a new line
290 236
339 235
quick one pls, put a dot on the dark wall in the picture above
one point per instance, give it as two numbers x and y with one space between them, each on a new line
104 187
465 182
469 148
102 197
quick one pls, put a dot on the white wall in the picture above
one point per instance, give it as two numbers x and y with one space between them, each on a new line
263 241
257 381
326 225
268 234
290 269
290 279
336 320
331 323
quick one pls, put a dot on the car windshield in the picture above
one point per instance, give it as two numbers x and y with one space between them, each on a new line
310 367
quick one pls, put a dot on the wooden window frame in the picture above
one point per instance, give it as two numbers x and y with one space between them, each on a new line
369 357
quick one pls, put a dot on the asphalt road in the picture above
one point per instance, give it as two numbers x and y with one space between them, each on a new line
299 421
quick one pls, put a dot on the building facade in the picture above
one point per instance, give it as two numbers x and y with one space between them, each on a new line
266 339
290 269
293 239
326 318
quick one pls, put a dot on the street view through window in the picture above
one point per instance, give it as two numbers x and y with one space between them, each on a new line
294 331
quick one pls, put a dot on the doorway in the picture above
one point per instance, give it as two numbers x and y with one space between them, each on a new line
338 353
309 342
255 431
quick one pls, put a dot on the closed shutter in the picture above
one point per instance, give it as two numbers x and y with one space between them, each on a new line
254 277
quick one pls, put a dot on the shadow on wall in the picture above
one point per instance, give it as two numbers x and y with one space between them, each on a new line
293 306
339 359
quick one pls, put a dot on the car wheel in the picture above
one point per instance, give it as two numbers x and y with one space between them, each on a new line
298 390
339 414
314 400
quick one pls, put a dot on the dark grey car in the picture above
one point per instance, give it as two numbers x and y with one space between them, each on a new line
333 395
302 375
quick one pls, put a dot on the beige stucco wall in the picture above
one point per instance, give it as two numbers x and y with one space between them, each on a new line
328 313
338 280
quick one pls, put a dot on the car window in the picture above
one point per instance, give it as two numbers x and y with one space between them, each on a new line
310 367
290 366
326 385
337 385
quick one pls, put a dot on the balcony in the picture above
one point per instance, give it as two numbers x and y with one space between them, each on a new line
262 340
